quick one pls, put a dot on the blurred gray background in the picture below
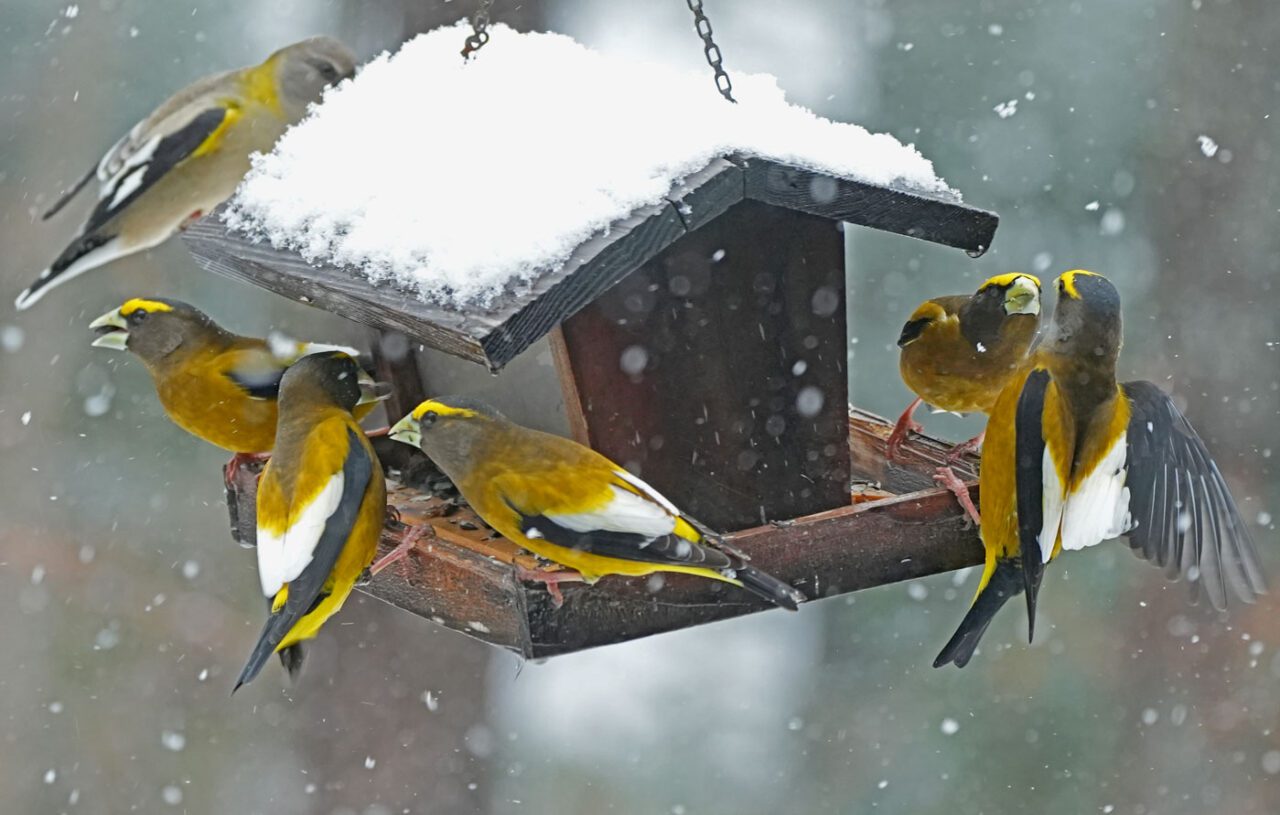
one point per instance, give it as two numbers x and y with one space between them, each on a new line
128 610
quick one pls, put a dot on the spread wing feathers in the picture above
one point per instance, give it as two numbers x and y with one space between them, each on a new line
308 552
1183 517
1097 508
1036 478
302 553
151 160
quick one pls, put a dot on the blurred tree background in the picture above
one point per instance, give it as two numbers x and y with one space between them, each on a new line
1135 139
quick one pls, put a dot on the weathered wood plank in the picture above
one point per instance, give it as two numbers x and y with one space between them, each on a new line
932 218
913 470
466 578
495 336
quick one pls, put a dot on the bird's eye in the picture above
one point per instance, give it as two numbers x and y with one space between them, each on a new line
430 417
139 315
329 72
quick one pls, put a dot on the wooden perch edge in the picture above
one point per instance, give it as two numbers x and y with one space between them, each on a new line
466 578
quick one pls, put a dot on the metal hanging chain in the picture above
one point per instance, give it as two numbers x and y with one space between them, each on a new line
703 26
479 29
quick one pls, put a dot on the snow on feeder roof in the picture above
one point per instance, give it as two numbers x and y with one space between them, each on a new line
478 187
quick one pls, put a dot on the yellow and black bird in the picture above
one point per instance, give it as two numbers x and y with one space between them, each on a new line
959 351
569 504
214 384
1073 458
190 154
321 504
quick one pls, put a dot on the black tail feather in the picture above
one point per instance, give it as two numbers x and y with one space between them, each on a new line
769 587
1005 582
65 197
272 633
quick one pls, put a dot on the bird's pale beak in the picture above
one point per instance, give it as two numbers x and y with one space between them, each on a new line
1023 297
407 431
371 391
113 331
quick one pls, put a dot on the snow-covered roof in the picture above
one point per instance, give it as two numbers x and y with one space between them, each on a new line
464 180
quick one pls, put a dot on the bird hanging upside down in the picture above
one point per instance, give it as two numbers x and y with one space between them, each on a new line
958 352
569 504
1073 458
216 385
189 155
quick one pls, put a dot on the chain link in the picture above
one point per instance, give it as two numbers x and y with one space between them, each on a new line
479 29
703 26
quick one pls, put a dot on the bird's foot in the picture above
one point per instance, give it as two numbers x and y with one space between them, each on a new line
408 542
963 449
946 477
550 579
232 468
905 425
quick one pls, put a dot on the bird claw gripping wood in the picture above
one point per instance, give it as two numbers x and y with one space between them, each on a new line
408 542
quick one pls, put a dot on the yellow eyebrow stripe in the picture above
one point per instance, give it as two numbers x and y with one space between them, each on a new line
1068 280
440 409
1007 280
139 304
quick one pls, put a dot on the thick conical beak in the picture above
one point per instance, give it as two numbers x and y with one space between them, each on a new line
408 431
113 330
371 391
1023 297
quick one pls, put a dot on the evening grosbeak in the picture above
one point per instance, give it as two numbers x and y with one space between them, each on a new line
321 505
214 384
190 154
959 351
569 504
1073 458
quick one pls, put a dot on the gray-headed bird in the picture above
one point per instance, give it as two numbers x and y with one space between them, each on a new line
189 155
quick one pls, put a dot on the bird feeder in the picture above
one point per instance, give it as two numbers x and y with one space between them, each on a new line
702 343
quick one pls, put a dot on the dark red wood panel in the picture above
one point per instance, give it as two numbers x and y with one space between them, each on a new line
717 370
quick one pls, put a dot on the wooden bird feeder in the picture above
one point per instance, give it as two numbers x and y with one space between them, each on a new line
703 344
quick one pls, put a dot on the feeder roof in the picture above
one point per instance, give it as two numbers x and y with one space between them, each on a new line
476 205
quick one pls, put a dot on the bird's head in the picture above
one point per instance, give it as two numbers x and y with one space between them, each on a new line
1014 293
1086 321
153 328
331 376
446 427
306 68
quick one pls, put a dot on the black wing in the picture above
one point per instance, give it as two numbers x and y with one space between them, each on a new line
1029 447
1184 518
266 386
138 176
625 545
305 590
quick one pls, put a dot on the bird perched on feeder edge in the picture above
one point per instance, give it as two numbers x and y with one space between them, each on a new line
1073 458
321 505
190 154
214 384
958 353
569 504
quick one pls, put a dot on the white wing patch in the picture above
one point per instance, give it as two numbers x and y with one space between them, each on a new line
281 558
1098 510
288 350
1051 505
120 182
644 488
627 512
